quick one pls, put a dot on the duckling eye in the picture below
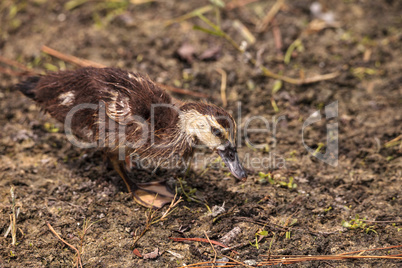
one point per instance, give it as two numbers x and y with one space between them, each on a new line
216 132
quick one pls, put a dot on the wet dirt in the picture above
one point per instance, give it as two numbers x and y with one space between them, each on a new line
302 205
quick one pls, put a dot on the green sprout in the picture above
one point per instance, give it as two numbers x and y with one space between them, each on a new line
358 223
258 237
264 177
288 184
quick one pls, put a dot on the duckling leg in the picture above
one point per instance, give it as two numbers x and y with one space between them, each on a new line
153 194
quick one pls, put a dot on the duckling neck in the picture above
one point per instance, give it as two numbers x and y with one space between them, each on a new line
167 141
176 140
170 142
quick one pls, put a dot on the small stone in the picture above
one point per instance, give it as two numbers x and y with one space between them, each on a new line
152 255
230 236
222 262
177 255
250 262
217 210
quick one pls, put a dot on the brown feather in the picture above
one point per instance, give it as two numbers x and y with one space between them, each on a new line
123 95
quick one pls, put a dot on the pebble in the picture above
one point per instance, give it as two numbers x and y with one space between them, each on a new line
250 262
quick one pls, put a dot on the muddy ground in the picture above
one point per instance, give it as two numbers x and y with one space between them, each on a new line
66 186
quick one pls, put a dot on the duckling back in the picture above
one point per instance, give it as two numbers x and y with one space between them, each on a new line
128 99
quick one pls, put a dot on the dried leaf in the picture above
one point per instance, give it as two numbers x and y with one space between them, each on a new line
137 253
152 255
212 53
186 52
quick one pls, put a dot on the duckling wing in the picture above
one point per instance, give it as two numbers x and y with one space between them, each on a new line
78 97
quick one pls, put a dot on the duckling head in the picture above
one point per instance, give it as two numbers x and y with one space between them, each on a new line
213 127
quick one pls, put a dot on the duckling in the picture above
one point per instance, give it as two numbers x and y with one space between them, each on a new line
125 114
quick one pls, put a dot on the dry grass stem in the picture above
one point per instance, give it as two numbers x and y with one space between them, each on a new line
15 64
13 221
182 91
87 63
238 3
190 15
223 86
85 227
197 239
289 259
151 219
292 259
393 142
270 15
10 72
244 31
238 262
276 32
236 246
72 59
298 81
212 246
79 263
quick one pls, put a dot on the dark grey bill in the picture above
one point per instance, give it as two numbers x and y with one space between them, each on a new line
231 159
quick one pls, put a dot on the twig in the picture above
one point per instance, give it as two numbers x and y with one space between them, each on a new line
151 217
13 222
236 246
318 78
381 221
71 246
12 72
182 91
211 246
298 81
87 63
244 31
237 3
71 59
238 262
270 245
274 226
270 15
393 142
15 64
190 15
288 259
86 226
291 259
198 239
371 249
223 87
282 259
276 32
170 209
202 264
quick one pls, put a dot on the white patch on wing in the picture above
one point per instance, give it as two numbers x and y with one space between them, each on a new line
67 98
135 78
118 108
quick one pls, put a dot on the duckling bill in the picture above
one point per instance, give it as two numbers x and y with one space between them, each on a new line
139 118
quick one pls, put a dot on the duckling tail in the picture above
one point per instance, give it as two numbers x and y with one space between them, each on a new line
27 87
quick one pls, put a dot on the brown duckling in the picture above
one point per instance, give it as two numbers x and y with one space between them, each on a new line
126 114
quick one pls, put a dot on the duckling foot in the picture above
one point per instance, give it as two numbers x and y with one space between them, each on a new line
152 194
